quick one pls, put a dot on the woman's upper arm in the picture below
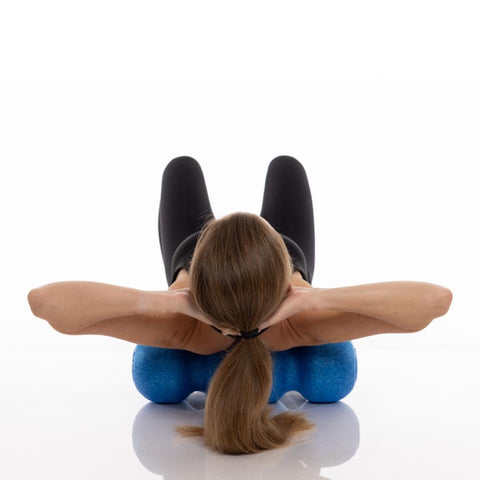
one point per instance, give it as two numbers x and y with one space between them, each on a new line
177 331
317 327
172 331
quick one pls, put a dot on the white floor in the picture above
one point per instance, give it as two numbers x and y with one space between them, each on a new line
76 414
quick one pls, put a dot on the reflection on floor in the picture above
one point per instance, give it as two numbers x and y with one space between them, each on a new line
76 414
334 441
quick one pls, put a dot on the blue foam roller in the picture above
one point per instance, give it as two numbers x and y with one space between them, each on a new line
321 373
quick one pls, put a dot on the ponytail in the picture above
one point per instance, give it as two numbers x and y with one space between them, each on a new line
240 273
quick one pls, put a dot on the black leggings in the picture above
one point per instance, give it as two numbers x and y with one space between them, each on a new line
185 207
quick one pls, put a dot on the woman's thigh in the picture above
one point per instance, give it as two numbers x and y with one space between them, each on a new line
287 205
184 206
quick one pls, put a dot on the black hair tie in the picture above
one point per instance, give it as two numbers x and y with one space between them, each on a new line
247 335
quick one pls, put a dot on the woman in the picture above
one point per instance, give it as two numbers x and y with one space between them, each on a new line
241 284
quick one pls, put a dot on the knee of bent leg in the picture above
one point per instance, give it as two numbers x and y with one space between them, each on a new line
183 166
284 160
183 160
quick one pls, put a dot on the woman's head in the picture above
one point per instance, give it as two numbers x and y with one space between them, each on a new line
239 274
240 270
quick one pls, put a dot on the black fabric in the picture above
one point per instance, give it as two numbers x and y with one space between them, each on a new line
185 207
247 335
182 256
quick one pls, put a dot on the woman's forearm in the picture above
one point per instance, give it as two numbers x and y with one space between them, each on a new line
403 304
73 305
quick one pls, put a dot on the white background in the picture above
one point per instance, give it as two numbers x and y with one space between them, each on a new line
379 101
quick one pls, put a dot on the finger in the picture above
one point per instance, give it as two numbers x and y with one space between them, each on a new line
229 331
198 314
205 320
270 321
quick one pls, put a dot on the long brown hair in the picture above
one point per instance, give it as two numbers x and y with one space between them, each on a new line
239 275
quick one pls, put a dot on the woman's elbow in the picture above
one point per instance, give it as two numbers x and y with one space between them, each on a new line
34 298
443 302
42 307
439 307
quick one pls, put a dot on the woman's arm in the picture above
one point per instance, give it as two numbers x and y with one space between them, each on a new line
408 306
143 317
73 305
346 313
313 316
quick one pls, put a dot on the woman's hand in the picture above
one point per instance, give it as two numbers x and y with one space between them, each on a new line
185 303
297 299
